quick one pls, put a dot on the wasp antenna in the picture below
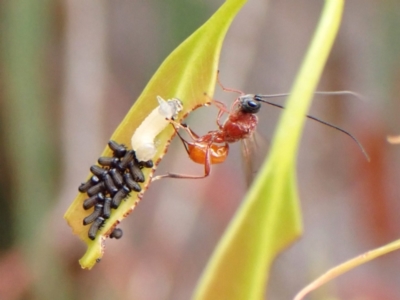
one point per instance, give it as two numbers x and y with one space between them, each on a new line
272 96
257 98
322 93
345 132
340 93
260 98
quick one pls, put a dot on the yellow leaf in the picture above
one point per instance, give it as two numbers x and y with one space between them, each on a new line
188 73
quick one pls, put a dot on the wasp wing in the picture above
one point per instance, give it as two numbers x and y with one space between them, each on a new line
254 149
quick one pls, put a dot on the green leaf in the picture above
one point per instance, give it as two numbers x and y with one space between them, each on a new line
269 218
188 73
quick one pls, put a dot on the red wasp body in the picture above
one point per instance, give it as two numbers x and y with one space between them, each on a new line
238 126
213 147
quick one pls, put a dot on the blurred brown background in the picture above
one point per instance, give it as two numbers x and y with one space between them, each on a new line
70 70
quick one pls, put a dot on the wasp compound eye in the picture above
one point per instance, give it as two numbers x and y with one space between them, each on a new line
248 104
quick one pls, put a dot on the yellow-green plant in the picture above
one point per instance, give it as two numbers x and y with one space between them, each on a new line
269 218
188 73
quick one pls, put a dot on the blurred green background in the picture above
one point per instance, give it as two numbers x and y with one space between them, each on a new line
70 70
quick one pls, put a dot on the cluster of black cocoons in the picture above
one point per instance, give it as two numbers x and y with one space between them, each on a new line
112 181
